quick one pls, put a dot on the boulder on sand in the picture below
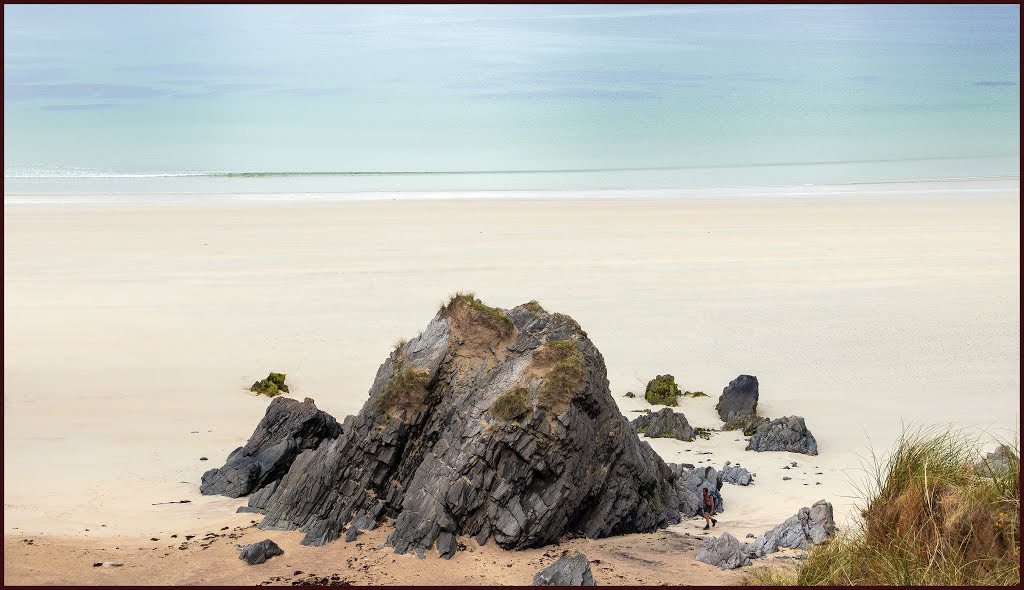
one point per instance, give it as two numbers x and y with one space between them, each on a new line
737 475
784 434
428 451
662 390
664 424
567 571
256 553
808 527
725 552
738 399
288 428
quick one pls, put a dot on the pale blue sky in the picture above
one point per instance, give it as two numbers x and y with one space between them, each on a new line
337 88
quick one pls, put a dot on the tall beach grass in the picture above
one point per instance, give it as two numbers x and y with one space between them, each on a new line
935 512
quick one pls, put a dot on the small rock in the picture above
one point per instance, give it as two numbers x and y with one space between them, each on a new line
567 571
107 564
725 552
203 459
786 478
259 552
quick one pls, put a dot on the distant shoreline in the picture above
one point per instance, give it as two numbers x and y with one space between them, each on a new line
992 186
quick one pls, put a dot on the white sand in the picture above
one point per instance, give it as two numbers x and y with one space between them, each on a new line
132 331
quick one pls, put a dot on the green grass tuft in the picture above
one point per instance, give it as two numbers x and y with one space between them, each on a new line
512 404
408 386
493 315
534 306
271 386
566 375
694 394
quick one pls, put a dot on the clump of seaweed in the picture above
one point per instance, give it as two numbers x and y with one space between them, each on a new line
271 386
694 394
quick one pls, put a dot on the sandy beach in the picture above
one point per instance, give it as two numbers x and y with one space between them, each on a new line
132 332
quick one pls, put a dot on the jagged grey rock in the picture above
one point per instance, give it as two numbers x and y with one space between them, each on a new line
567 571
735 474
259 552
725 552
664 424
427 451
784 434
738 399
689 481
808 527
996 462
288 428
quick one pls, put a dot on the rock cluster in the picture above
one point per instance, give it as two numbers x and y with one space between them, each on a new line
784 434
567 571
664 424
738 399
429 451
808 527
725 552
737 475
689 481
256 553
288 428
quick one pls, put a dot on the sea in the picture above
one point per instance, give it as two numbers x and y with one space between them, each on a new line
193 103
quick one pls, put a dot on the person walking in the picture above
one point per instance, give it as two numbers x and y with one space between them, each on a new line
709 510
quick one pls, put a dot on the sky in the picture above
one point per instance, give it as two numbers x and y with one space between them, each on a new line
444 88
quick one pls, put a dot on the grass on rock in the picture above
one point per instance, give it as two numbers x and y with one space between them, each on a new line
566 375
512 404
492 315
407 387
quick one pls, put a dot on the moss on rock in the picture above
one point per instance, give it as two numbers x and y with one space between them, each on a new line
662 390
271 386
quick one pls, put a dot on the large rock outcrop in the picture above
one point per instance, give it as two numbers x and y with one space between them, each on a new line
738 399
664 424
567 571
288 428
784 434
491 423
808 527
725 552
689 483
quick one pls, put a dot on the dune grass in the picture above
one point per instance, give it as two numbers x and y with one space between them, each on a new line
932 516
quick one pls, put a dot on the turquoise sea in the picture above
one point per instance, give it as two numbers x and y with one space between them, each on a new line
347 100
